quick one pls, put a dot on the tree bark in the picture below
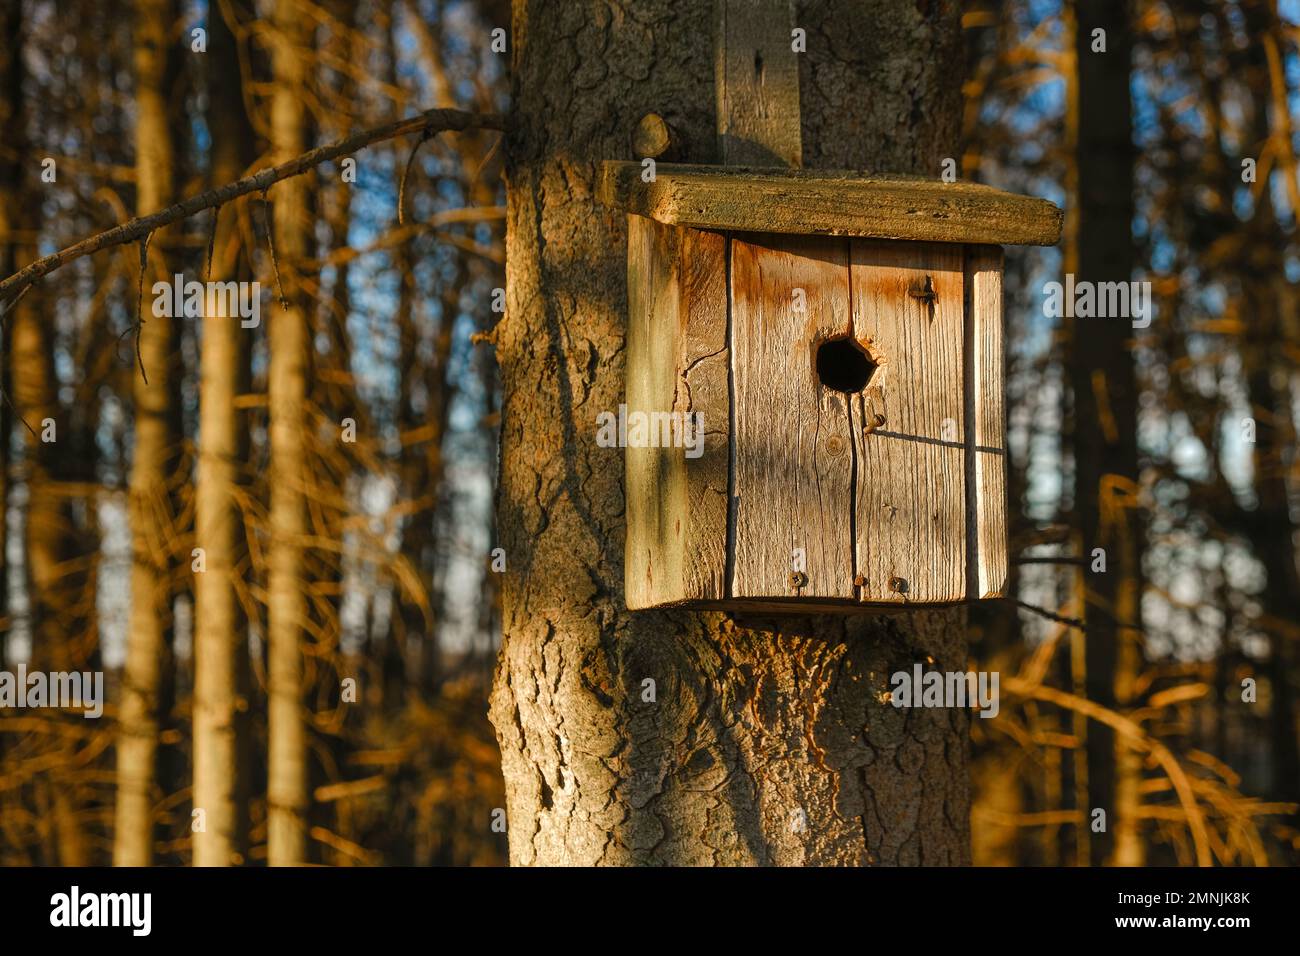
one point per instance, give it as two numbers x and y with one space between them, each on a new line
770 741
287 800
220 637
157 446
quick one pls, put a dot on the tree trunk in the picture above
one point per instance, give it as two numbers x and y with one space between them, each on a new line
1262 270
769 741
157 445
11 110
1105 423
49 534
287 800
220 638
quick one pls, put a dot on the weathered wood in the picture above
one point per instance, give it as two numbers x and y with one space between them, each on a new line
907 305
792 480
676 362
987 447
757 77
829 203
703 387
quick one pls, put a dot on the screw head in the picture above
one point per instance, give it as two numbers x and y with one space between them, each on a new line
898 585
860 580
798 579
835 446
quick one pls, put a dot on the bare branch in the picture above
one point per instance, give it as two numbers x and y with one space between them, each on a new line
428 123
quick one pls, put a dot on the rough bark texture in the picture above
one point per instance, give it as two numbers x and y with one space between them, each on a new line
154 460
220 637
768 741
289 355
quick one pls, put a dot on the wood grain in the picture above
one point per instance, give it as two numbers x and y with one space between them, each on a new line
703 387
911 475
821 202
757 77
792 476
984 278
676 361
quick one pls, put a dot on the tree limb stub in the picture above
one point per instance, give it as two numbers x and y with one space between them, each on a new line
428 122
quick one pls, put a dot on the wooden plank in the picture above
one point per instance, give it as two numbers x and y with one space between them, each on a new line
988 436
703 388
819 202
648 571
676 362
911 475
792 471
757 78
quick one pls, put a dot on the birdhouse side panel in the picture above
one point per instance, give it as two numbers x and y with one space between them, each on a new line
676 432
908 302
989 512
793 474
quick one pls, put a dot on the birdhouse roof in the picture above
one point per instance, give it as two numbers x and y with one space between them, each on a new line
831 203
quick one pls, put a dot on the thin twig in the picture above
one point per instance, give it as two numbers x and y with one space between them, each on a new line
212 241
4 327
138 328
1043 612
270 245
13 304
401 186
487 158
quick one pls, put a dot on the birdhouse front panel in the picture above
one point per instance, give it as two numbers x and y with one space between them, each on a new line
909 309
847 387
793 473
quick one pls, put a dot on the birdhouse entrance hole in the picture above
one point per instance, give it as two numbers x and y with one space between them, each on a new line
844 366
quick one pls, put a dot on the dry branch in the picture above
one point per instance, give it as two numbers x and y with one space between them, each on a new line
428 123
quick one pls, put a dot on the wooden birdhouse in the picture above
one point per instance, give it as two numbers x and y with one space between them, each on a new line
814 407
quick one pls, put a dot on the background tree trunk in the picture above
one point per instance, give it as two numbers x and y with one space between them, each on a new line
769 740
287 384
220 638
1105 423
11 111
48 542
1265 292
157 445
